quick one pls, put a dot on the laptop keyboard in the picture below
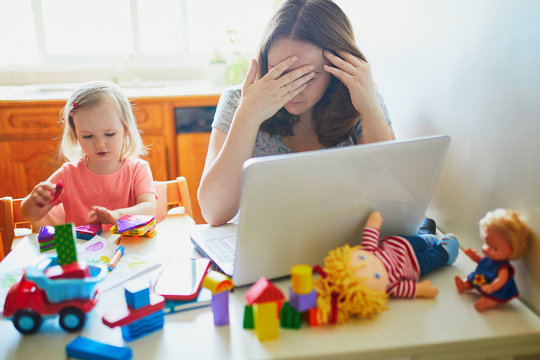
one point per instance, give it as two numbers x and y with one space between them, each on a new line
223 248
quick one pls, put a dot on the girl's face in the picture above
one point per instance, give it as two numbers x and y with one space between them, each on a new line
100 133
369 269
495 246
308 54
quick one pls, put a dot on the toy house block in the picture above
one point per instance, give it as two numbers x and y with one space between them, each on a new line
46 233
137 293
129 222
266 321
220 308
290 318
64 236
144 326
217 282
263 291
302 279
303 302
88 349
248 318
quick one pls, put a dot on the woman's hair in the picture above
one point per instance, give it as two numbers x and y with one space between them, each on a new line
510 225
324 24
92 94
353 298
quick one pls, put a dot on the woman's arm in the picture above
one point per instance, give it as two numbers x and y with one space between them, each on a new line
219 190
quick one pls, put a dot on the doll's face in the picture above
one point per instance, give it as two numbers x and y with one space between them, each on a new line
496 247
370 269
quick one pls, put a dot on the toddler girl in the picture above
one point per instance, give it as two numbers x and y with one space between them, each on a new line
104 178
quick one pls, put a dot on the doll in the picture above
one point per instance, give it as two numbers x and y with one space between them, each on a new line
357 281
506 237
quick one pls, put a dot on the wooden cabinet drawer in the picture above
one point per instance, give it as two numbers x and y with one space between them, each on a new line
149 115
30 121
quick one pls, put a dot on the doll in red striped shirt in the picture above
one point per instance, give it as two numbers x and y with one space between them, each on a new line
357 280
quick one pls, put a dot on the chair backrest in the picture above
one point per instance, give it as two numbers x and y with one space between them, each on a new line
172 193
10 217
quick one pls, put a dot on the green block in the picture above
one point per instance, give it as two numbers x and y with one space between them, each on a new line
248 317
289 317
66 249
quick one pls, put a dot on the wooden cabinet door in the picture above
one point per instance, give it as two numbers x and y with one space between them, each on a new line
191 155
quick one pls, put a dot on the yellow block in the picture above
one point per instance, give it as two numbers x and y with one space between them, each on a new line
266 321
217 282
302 279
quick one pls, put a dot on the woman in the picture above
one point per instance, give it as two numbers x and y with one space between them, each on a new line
311 88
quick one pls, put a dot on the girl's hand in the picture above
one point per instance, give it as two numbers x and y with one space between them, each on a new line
43 194
102 215
264 97
355 74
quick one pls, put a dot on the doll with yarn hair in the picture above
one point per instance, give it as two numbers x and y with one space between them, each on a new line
506 237
357 281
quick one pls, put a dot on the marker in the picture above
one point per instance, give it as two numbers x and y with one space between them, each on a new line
116 257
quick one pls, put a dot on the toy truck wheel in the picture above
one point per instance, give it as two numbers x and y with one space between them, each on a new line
27 321
72 319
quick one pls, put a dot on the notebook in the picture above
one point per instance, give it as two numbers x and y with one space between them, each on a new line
294 208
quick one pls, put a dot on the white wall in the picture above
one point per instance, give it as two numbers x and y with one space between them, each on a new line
469 69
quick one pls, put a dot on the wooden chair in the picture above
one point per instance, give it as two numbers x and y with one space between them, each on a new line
171 194
10 217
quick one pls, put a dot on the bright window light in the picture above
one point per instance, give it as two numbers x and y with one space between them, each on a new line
18 44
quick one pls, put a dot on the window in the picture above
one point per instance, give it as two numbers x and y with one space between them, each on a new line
48 35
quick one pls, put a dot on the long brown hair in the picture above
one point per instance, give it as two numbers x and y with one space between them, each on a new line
324 24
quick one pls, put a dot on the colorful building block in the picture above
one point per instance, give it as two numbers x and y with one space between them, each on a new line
263 291
248 318
144 326
303 302
137 293
217 282
88 349
87 232
130 222
140 321
266 321
302 279
310 317
220 308
66 249
290 318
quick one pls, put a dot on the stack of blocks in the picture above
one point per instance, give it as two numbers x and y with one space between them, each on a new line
302 298
264 301
87 232
135 226
46 238
143 313
220 285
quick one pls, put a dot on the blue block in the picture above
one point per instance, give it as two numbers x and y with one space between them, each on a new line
303 302
143 326
137 293
87 349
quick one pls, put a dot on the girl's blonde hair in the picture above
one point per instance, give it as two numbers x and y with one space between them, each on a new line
92 94
352 296
511 226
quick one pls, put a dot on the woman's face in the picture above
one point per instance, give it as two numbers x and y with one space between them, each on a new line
308 54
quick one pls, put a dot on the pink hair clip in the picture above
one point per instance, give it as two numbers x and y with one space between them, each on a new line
75 105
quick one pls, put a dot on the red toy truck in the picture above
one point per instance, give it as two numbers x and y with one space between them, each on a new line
49 289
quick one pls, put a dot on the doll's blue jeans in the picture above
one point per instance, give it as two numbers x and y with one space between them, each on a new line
429 257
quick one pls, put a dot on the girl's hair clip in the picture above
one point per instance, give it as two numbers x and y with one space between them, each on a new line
74 105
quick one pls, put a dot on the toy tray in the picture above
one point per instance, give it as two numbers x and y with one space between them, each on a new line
58 290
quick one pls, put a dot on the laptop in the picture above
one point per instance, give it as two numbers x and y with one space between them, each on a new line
294 208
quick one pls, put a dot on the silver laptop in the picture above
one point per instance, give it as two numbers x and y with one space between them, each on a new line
297 207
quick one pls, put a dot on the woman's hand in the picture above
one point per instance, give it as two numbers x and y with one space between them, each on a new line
264 97
355 74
